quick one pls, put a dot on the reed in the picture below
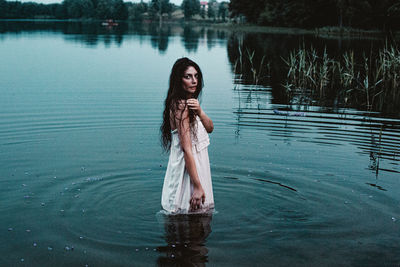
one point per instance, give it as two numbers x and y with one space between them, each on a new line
307 71
372 80
252 68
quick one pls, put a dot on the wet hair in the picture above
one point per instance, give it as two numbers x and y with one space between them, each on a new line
176 93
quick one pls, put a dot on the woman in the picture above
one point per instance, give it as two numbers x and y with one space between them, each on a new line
187 184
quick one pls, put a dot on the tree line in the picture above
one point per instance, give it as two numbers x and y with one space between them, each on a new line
364 14
111 9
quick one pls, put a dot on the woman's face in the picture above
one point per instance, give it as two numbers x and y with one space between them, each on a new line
189 80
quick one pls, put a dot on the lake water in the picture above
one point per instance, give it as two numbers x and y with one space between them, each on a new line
82 167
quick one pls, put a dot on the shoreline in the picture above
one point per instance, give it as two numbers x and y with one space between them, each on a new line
323 32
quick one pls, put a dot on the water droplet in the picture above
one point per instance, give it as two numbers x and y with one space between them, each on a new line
154 249
81 237
67 248
42 204
393 219
83 210
173 245
22 260
73 183
55 177
147 248
26 196
10 229
137 250
62 210
35 244
49 248
172 256
28 230
23 184
76 196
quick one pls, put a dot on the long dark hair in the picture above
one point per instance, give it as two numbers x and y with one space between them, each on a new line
175 95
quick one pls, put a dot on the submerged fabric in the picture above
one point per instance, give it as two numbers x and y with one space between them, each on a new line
177 188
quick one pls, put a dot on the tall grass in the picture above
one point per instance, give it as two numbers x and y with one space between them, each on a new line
248 68
369 80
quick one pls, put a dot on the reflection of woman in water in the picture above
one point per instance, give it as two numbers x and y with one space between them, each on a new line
187 183
186 236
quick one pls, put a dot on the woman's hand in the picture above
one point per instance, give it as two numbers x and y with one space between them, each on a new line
198 198
194 105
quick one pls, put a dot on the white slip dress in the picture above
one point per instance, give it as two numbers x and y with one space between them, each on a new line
177 188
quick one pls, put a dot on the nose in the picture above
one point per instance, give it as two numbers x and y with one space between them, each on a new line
194 81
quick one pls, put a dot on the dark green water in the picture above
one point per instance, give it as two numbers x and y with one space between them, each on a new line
81 166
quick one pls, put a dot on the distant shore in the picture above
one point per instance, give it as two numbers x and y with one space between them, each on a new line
325 32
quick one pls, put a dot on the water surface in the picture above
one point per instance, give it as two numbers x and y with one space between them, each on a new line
82 167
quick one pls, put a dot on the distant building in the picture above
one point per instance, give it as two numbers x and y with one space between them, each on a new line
204 4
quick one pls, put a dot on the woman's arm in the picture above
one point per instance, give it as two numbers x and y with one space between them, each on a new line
182 123
205 120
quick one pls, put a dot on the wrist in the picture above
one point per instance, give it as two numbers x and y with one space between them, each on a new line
200 113
197 186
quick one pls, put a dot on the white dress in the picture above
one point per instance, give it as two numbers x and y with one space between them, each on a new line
177 188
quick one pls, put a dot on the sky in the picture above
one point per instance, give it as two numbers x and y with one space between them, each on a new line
176 2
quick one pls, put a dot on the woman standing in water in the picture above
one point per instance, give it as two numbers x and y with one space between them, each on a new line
187 184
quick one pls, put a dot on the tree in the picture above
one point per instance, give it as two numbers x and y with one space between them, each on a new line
223 10
203 11
212 7
120 10
137 10
250 9
3 7
190 8
160 7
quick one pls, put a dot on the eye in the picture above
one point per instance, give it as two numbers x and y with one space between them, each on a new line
186 76
196 75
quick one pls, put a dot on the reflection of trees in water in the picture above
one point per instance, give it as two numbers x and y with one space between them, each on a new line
93 33
190 38
89 33
186 237
159 37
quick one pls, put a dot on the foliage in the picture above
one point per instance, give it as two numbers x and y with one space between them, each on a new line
190 8
223 10
212 7
155 5
77 9
384 14
136 10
